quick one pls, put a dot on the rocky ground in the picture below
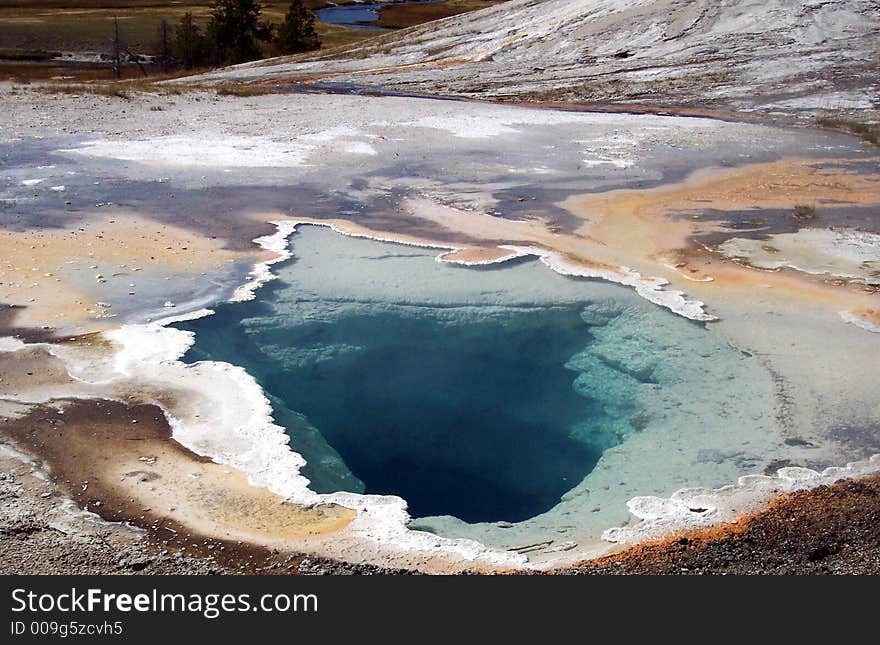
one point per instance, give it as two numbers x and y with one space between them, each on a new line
42 533
825 530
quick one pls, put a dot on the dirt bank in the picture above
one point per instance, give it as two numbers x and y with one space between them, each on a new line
825 530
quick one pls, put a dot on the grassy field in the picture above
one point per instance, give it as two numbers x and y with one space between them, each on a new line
87 25
35 26
396 17
29 28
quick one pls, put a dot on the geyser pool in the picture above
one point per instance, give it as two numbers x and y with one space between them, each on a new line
459 413
489 398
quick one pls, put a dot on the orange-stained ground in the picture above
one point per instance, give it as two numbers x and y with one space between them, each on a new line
653 231
36 265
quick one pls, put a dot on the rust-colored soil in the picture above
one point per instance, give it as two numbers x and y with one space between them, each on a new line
830 529
119 462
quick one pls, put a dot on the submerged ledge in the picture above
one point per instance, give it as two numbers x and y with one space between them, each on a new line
651 289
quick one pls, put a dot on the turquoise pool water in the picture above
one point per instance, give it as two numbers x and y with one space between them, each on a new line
438 404
490 396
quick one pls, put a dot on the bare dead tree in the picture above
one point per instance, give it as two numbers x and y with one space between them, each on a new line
117 66
132 57
164 48
120 48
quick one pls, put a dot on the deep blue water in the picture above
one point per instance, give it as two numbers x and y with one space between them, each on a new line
487 394
466 416
356 16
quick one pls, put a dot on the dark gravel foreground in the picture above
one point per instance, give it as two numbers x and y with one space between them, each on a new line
40 535
827 530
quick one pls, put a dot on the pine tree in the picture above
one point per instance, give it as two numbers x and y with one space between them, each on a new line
117 50
189 47
297 32
235 28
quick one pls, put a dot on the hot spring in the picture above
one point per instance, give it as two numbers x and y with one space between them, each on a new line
504 403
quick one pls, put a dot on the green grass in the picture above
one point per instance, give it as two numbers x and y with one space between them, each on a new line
27 54
32 26
401 16
124 89
88 29
130 4
117 90
128 90
23 71
231 89
84 25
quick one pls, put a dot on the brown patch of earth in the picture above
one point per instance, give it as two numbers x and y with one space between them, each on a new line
826 530
119 462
